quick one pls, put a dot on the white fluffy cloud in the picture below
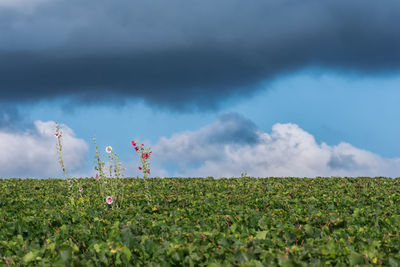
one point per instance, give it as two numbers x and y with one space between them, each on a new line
33 153
232 145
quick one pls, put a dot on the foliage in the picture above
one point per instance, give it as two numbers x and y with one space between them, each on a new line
203 222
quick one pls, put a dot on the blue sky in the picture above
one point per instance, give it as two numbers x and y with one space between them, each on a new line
303 98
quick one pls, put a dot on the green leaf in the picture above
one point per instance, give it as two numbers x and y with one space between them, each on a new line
233 227
261 234
127 254
66 253
28 257
355 258
96 248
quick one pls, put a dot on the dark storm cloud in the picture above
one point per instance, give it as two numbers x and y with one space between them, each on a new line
186 54
232 128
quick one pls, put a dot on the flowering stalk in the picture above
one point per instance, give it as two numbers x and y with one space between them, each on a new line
111 188
58 134
73 185
144 154
100 163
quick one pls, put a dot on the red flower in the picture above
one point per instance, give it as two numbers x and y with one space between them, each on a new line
140 168
145 155
136 148
148 170
133 143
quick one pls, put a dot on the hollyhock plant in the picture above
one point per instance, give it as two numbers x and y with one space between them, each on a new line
144 154
74 185
58 134
105 186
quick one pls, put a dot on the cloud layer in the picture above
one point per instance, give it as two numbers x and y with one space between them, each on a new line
286 151
186 55
33 154
226 148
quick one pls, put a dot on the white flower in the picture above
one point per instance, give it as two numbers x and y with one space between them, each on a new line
109 200
108 149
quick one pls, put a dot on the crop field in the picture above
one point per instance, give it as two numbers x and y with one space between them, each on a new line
202 222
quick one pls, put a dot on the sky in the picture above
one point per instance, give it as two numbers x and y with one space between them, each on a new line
214 88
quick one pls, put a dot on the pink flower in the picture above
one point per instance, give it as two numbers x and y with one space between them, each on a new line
58 134
108 149
136 148
140 168
133 143
148 170
145 155
80 189
109 200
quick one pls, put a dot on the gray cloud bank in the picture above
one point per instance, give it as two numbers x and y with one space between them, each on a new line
185 54
287 151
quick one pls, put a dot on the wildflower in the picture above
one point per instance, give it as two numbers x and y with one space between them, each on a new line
148 170
58 134
97 177
108 149
80 189
133 143
140 168
109 200
136 148
145 155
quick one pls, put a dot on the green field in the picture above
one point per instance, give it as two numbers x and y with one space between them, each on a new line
203 222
